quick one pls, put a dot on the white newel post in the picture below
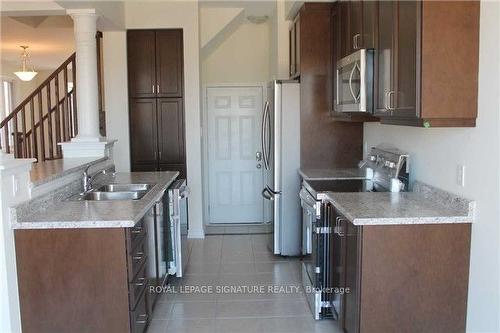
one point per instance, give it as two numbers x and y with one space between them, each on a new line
88 142
14 189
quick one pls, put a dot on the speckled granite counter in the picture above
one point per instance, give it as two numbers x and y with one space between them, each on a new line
425 205
328 174
95 214
46 171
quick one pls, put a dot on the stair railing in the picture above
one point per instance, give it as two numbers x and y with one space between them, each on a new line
45 118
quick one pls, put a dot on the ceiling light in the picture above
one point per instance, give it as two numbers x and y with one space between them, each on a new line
24 74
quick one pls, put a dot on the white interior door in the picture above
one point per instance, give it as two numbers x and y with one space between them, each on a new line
235 174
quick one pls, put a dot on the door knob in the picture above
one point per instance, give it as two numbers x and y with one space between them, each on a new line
258 156
259 166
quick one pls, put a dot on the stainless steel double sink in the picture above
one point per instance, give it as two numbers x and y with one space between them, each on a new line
114 192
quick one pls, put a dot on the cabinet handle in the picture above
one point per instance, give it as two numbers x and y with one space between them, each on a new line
389 98
153 87
159 153
157 88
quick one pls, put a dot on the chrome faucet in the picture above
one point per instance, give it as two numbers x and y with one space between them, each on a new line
87 180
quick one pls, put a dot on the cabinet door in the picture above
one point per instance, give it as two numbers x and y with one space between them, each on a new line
171 131
351 301
143 132
141 63
169 63
355 25
405 71
344 29
384 56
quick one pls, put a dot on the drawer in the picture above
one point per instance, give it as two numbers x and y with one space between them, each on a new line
135 235
136 259
137 287
139 317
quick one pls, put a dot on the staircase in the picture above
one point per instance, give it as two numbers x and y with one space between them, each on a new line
49 114
45 118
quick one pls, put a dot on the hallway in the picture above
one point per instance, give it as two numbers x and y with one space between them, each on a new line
242 262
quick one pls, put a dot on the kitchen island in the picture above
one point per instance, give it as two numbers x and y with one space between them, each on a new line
404 258
83 265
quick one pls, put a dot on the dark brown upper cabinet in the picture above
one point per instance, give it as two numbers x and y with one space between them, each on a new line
155 63
356 20
421 77
294 36
141 63
169 64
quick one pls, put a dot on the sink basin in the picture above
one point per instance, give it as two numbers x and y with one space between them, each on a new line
105 196
125 187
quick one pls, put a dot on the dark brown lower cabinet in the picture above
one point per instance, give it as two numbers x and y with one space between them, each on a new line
83 280
157 141
403 278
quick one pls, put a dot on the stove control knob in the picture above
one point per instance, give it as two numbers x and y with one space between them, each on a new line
387 163
392 165
373 158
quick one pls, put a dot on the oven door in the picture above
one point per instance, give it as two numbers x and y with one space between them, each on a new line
354 83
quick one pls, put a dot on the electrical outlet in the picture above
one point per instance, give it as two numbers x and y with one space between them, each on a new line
461 175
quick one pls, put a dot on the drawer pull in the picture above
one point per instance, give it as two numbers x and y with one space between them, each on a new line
137 231
144 321
139 256
141 282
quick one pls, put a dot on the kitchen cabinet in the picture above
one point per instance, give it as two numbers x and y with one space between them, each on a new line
402 278
294 36
421 77
356 21
156 105
90 279
324 142
155 63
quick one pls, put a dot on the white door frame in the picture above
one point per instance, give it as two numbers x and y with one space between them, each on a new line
204 134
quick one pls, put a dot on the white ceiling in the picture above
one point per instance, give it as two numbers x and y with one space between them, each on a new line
50 39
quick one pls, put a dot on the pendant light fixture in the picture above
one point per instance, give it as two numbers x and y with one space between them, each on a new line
27 72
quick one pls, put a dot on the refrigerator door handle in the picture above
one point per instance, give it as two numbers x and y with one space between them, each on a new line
267 195
264 136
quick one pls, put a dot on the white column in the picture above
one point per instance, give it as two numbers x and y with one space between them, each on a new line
88 142
85 26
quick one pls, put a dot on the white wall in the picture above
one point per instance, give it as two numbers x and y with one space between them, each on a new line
158 15
116 90
435 155
242 57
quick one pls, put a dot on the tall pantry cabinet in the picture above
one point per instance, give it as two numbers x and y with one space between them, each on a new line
156 100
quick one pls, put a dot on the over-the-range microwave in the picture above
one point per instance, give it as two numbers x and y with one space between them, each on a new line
354 88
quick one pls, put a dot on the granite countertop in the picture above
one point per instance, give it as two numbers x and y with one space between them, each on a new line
46 171
99 214
425 205
334 173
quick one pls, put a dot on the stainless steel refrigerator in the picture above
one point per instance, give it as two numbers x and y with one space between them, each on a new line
281 157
